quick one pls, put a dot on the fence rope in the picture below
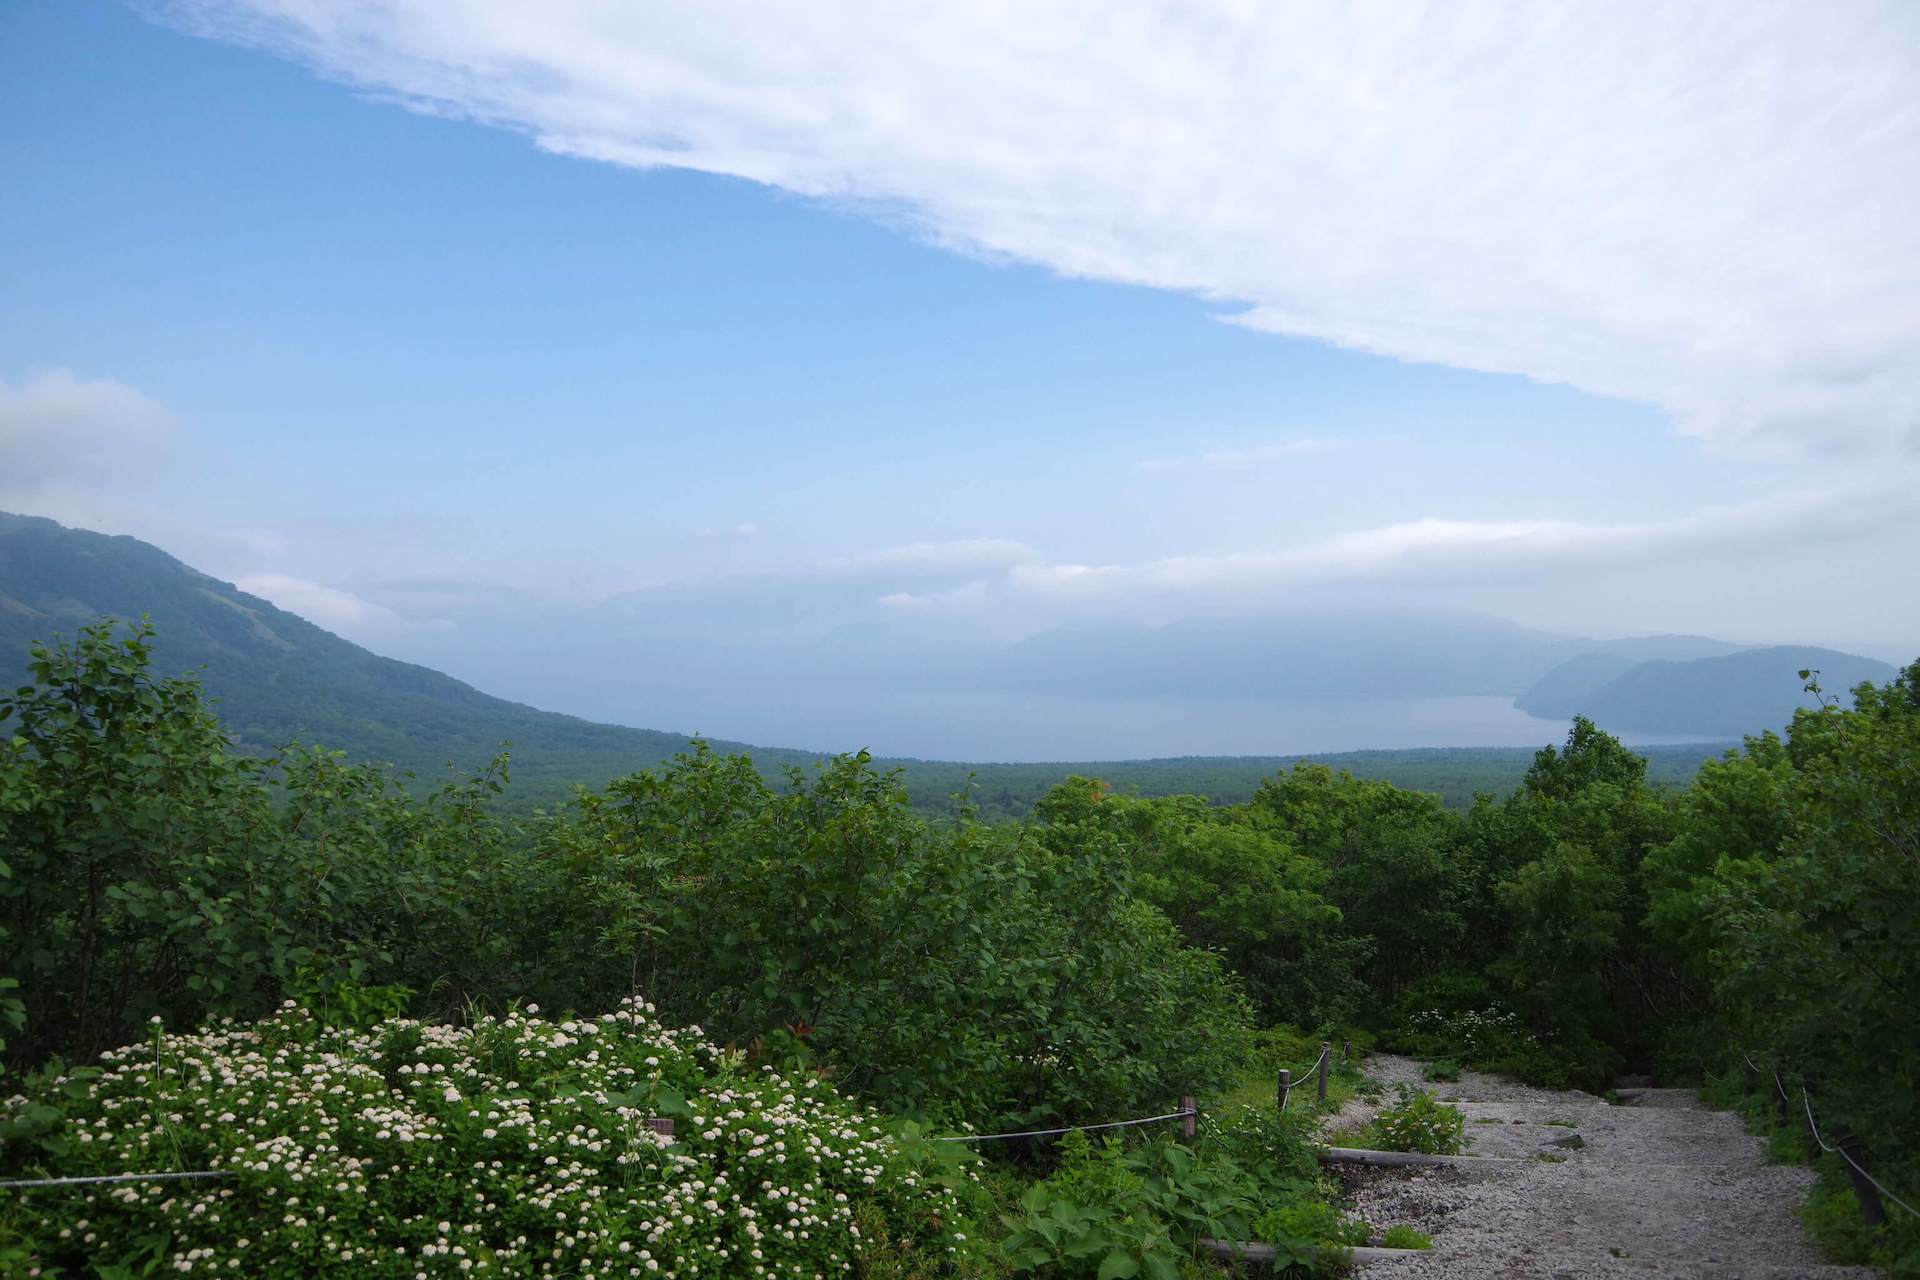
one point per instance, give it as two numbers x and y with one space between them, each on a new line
1842 1152
1806 1104
29 1183
1287 1096
1072 1128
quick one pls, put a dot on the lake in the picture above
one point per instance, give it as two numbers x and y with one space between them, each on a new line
1028 727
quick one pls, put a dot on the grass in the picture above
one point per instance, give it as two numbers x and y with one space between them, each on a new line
1294 1050
1401 1236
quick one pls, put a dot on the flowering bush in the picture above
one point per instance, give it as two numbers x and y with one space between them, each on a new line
1419 1122
1477 1035
1494 1039
512 1146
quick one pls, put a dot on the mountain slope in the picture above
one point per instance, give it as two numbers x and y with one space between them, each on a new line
1568 689
278 677
1740 693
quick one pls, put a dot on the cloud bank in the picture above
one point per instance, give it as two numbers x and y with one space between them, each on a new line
1709 206
60 429
990 579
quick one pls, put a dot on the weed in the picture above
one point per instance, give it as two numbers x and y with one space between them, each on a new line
1402 1236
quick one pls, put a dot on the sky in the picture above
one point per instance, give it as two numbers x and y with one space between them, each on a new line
440 319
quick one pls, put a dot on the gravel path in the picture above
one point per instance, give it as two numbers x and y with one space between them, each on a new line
1660 1188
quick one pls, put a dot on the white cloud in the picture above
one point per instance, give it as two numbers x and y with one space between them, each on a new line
330 607
57 429
1431 552
1710 206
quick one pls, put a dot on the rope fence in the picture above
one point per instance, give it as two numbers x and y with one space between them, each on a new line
1188 1112
27 1184
1870 1208
1182 1114
1288 1084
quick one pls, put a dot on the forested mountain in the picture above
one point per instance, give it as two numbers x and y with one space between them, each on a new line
1728 695
277 677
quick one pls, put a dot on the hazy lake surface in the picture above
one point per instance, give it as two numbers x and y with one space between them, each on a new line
1016 727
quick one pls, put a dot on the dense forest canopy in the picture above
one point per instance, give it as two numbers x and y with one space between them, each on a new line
1102 955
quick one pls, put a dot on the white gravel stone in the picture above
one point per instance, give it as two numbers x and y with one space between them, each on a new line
1665 1190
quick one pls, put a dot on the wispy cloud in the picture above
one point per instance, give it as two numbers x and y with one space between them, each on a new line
331 607
1709 206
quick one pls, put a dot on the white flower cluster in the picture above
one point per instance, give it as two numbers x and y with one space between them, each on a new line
513 1146
1474 1032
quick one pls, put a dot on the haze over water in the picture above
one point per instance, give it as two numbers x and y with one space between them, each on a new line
992 726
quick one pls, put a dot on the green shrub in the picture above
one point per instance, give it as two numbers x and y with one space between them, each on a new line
1419 1122
1310 1237
1108 1210
1278 1146
510 1144
1117 1209
1441 1069
1402 1236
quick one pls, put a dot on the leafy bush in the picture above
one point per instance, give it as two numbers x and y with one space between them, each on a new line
1004 978
1278 1147
1402 1236
1109 1211
1115 1209
1229 886
512 1145
1441 1069
1310 1238
1419 1122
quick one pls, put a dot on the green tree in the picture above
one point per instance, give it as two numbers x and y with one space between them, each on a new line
125 823
1390 864
1230 887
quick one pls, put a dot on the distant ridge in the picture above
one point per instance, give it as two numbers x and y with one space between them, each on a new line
1732 695
278 677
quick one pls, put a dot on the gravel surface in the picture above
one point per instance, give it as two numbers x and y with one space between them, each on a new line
1661 1188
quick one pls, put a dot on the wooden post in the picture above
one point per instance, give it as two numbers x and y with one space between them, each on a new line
1326 1061
1285 1088
1855 1161
1190 1123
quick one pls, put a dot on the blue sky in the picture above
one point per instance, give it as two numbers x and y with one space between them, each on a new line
408 351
